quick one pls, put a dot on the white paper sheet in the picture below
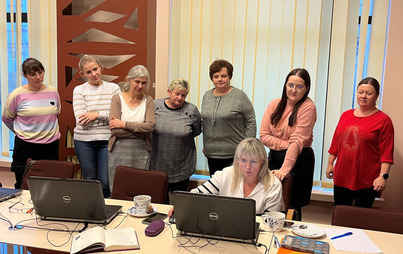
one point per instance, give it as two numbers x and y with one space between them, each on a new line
357 242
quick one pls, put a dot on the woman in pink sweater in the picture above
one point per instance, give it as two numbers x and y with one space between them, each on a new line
287 129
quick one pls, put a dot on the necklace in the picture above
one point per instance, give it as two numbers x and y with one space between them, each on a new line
222 92
367 114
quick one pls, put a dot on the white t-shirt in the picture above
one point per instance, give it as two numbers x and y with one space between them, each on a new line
135 114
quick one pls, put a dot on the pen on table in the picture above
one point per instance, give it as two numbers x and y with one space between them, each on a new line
30 210
276 242
343 235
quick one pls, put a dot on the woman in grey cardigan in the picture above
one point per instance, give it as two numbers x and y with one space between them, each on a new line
228 117
131 121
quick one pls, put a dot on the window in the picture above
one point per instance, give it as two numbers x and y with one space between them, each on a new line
16 41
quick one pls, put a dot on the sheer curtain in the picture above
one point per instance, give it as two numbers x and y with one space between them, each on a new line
26 30
13 48
265 39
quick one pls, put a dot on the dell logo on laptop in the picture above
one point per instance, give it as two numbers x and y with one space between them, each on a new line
66 199
213 216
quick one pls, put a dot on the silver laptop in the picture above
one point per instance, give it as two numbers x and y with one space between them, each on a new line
7 193
70 200
217 217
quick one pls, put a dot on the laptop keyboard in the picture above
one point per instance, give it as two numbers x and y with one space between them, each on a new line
6 193
109 211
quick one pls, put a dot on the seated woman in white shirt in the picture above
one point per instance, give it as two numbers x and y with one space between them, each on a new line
248 177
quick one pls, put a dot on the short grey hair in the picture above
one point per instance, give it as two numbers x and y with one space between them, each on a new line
136 72
180 84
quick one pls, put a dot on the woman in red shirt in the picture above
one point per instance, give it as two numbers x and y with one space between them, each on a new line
363 145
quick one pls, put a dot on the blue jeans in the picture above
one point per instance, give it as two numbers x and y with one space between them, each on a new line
93 158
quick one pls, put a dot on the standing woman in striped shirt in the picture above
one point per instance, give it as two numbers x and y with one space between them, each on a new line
91 103
31 112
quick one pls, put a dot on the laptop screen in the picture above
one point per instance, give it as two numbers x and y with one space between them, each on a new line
225 218
69 199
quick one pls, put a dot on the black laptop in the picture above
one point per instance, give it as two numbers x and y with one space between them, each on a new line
70 200
217 217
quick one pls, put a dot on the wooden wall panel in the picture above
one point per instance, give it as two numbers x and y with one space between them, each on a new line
113 30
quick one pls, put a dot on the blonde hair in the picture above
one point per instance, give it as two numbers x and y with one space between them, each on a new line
253 148
180 84
85 59
136 72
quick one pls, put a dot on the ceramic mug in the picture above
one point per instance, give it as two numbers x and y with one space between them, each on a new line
274 220
141 203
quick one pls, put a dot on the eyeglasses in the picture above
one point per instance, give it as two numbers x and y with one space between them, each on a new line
298 87
13 209
253 163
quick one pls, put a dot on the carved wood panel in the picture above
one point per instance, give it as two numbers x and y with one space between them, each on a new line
113 30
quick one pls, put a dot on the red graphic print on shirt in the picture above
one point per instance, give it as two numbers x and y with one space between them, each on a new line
350 138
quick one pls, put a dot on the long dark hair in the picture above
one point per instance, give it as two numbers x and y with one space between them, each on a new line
277 114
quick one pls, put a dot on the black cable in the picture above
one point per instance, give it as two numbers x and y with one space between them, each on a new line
123 219
68 239
42 227
84 228
193 244
172 232
260 245
4 218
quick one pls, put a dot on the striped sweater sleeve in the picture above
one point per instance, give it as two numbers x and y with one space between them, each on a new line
212 186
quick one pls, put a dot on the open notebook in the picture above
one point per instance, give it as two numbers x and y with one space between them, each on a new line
71 200
217 217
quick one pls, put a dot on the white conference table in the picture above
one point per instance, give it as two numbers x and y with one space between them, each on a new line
163 243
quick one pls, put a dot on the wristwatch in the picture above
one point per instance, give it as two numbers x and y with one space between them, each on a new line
385 175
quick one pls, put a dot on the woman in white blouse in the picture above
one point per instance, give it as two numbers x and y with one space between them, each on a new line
249 177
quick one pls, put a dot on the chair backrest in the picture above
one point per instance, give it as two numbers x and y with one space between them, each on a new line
130 182
368 218
291 214
286 186
47 168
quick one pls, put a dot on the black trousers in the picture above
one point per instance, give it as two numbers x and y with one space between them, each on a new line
178 186
24 150
218 164
362 198
302 175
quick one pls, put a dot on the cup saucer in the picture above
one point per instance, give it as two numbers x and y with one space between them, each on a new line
307 230
132 211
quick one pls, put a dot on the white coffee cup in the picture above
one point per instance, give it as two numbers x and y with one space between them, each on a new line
141 202
274 220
